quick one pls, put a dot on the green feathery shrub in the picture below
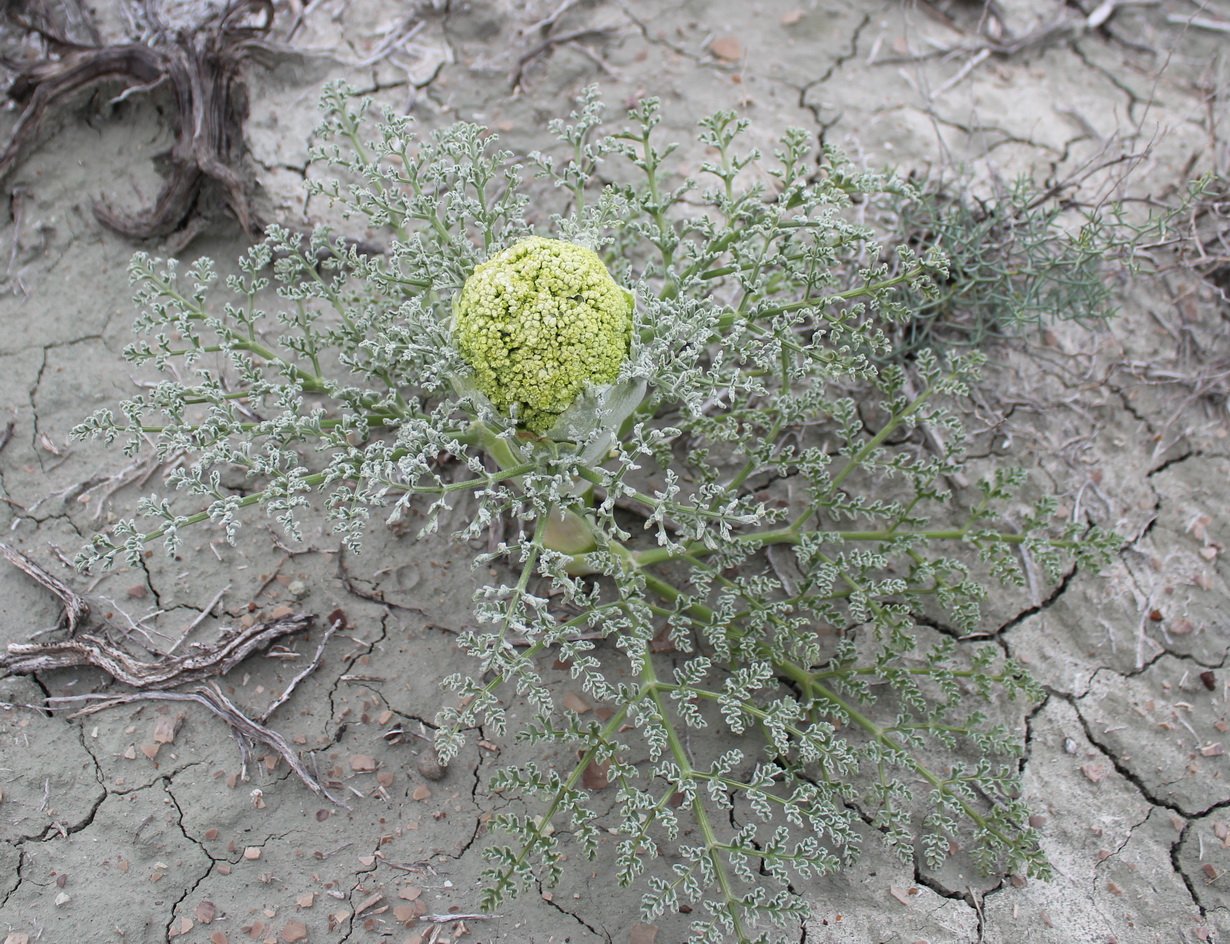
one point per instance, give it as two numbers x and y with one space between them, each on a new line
730 503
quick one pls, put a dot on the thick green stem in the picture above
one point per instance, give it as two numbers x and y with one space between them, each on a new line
309 383
569 533
791 535
373 421
734 904
495 445
875 442
523 582
728 319
565 531
543 822
809 682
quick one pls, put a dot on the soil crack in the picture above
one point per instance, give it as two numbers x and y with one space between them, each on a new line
62 830
550 900
212 862
656 40
1034 609
969 897
1127 837
1123 770
1180 871
17 875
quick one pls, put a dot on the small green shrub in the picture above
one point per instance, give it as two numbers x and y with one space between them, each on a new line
1016 263
736 532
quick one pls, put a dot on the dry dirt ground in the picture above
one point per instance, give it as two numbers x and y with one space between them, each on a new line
132 825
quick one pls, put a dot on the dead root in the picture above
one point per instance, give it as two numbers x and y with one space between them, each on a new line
152 679
246 731
209 661
75 608
201 70
987 25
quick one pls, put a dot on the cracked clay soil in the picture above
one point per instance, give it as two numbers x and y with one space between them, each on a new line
133 825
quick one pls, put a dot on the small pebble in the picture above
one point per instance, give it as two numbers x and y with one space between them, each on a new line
429 764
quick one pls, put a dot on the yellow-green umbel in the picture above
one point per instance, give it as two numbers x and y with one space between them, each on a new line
539 323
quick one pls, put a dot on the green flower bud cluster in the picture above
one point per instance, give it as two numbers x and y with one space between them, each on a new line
539 323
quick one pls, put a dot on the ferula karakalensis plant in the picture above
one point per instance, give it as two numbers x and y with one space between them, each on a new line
726 519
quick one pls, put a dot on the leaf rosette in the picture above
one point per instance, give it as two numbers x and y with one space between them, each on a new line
723 497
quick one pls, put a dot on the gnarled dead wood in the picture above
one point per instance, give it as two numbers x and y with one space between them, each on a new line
75 608
202 70
151 679
208 662
338 620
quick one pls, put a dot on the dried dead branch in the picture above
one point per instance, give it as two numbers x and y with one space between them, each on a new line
246 731
549 43
448 918
338 620
75 608
208 661
991 35
202 71
151 679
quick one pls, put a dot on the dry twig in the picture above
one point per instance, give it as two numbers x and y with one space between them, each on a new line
206 662
446 918
245 730
202 70
152 678
1200 22
201 617
75 608
546 45
338 621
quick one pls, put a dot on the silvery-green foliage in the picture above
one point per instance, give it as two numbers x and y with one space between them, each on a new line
768 523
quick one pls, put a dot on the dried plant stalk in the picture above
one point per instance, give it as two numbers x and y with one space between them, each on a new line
75 608
245 730
207 662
